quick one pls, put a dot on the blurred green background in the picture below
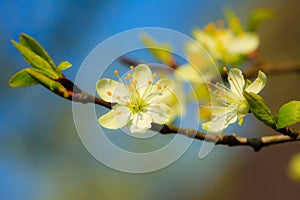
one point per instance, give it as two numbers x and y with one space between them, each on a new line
41 156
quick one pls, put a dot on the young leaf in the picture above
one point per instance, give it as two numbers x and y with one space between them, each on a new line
22 79
36 61
257 17
161 51
52 85
259 108
288 114
35 47
64 65
41 78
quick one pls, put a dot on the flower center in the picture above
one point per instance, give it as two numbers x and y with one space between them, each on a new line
137 104
243 108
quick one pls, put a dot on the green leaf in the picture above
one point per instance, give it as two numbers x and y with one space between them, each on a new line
35 47
64 65
257 17
41 78
36 61
22 79
288 114
161 51
259 108
52 85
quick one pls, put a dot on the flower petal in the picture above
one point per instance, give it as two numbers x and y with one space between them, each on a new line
108 121
106 85
236 81
189 73
162 89
121 94
142 75
118 117
122 115
160 113
224 117
205 39
141 122
243 44
258 84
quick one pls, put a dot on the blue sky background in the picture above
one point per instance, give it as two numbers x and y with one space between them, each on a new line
41 156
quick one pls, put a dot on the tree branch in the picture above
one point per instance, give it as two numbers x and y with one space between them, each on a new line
271 69
228 140
289 135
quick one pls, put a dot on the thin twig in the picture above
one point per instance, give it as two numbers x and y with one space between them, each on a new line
229 140
271 69
289 135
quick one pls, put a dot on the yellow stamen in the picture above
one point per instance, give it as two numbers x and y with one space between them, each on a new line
119 113
165 85
210 28
118 97
130 88
129 75
224 69
149 82
109 93
131 67
116 72
159 87
154 75
133 82
125 78
127 103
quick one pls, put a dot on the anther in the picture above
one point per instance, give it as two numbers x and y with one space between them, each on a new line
129 75
133 82
154 75
131 67
116 72
159 87
127 103
109 93
119 113
149 82
118 97
224 69
165 85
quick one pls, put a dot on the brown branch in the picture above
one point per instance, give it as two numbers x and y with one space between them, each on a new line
271 69
289 135
229 140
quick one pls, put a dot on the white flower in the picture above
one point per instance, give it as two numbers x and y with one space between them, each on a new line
235 106
225 45
138 100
